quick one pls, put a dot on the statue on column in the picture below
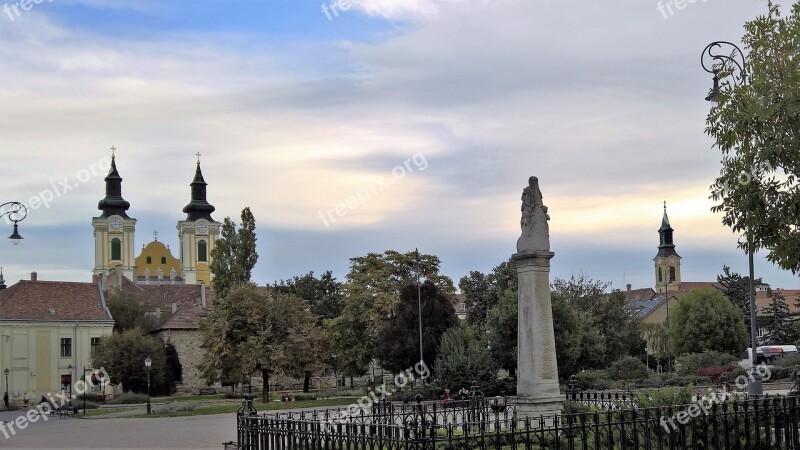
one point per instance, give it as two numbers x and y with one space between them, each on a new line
535 230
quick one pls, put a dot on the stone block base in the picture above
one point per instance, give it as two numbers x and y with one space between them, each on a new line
535 407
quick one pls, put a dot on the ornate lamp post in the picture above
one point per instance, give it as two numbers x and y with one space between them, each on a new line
147 363
714 62
70 385
7 372
16 212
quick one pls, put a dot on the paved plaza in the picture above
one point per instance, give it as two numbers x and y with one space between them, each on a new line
193 432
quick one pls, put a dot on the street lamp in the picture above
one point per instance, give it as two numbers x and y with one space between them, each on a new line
70 385
147 363
16 213
714 63
6 372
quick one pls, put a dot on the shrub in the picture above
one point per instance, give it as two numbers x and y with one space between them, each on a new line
690 364
89 404
716 374
92 397
665 397
301 396
628 368
733 374
676 380
129 398
174 407
571 407
788 361
593 380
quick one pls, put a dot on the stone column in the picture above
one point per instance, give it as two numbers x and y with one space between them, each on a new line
537 371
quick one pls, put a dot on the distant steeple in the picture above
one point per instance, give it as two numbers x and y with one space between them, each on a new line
199 208
666 246
2 280
113 203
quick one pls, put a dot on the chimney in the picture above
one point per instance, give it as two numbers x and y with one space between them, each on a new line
174 307
34 277
628 286
203 295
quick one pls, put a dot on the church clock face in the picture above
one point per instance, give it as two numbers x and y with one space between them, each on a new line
672 260
115 224
201 228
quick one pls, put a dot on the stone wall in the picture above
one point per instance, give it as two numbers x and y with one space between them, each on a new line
187 344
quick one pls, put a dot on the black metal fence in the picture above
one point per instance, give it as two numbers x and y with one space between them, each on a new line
772 423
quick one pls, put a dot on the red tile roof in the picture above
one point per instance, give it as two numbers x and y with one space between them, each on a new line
187 317
53 301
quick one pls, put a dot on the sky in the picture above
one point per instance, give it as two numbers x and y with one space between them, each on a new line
388 124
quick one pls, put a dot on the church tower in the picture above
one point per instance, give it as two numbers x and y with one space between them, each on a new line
114 229
667 261
197 234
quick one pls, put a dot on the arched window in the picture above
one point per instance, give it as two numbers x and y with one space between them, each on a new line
671 274
163 260
149 260
202 251
660 275
116 249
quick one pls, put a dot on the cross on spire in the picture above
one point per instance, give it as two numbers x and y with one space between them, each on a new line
198 157
665 206
155 235
113 151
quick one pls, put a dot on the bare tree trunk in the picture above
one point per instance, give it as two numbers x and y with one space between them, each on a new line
265 385
307 382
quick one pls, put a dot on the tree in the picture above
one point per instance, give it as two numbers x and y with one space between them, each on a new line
323 294
737 288
703 320
398 347
123 355
502 331
579 344
483 292
131 310
463 358
776 320
754 126
234 256
249 332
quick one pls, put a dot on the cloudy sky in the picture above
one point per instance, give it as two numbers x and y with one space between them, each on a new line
434 112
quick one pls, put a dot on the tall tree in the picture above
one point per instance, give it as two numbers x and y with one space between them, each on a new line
463 358
132 310
737 288
123 355
705 320
776 320
234 256
579 344
250 332
323 294
399 339
754 126
484 291
502 331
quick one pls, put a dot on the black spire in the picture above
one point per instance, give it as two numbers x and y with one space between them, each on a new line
113 203
199 208
666 246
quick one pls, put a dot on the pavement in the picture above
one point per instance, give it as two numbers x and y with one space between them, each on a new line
191 432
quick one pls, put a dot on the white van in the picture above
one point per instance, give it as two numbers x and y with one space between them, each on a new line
766 354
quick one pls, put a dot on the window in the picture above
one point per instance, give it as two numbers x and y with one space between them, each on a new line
163 260
116 249
66 347
95 344
149 260
671 274
660 275
202 251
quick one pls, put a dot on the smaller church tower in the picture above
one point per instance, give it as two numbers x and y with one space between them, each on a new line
667 260
197 234
113 229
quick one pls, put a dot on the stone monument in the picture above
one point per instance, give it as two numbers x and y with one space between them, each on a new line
537 372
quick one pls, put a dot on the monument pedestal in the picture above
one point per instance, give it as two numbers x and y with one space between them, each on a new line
538 390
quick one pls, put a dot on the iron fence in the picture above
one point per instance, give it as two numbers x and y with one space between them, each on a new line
769 423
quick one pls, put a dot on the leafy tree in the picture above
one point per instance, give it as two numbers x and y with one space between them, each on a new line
502 331
234 256
776 320
628 368
249 332
484 291
399 339
579 345
703 320
131 310
609 314
351 339
754 126
123 355
464 358
737 288
324 294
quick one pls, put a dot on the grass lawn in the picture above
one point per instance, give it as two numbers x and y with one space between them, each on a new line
261 407
100 411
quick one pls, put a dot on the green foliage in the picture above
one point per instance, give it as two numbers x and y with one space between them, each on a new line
248 332
579 344
172 408
234 256
130 310
123 355
352 338
483 292
502 330
594 380
664 397
703 320
464 358
737 289
775 319
754 126
129 398
628 368
399 340
323 294
86 405
691 363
